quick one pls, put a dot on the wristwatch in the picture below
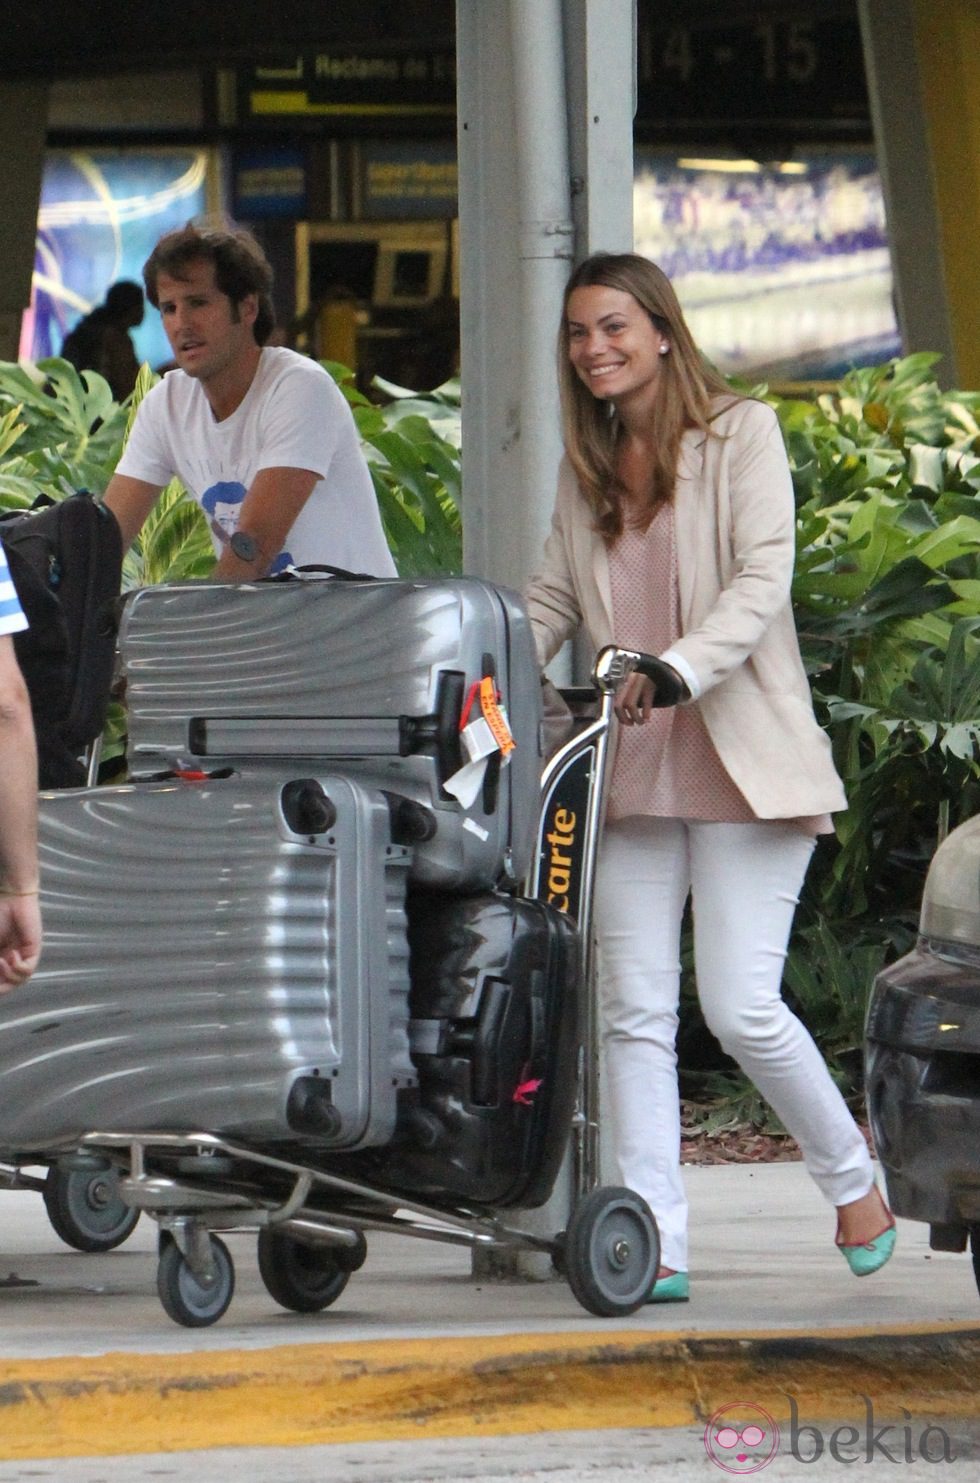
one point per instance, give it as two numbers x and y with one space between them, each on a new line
244 546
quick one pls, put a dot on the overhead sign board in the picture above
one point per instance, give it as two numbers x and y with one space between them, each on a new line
269 182
409 180
803 66
349 82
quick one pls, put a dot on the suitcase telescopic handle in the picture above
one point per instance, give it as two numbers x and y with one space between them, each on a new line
486 1039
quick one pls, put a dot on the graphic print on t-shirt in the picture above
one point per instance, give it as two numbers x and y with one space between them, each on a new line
221 503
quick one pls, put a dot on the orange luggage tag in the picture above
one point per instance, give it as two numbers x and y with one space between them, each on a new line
481 736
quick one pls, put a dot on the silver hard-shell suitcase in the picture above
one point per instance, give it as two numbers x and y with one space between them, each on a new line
226 953
378 674
310 1213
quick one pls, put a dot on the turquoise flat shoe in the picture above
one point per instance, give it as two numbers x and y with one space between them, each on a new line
672 1289
872 1255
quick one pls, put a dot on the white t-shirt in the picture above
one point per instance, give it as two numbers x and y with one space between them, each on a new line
293 416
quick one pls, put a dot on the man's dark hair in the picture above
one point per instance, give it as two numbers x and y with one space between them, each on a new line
240 268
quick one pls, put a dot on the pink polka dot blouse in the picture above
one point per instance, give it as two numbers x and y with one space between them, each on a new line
667 768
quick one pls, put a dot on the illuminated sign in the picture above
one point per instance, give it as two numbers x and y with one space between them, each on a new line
353 83
409 180
269 183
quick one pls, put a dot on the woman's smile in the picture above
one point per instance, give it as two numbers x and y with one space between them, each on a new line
613 344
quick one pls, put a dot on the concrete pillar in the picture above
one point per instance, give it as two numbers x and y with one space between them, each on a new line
600 65
510 408
903 52
545 119
519 235
24 110
948 49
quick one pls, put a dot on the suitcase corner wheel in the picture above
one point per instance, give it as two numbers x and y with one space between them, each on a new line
610 1253
306 1278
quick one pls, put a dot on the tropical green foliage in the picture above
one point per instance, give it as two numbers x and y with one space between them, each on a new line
886 471
174 544
412 449
887 595
58 431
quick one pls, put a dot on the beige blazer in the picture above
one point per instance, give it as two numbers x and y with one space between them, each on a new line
736 541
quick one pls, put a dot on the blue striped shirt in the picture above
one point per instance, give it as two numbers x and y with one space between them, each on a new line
12 618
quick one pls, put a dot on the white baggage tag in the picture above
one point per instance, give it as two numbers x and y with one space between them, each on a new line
478 740
465 784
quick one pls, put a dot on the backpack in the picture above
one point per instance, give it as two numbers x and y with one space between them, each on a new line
65 560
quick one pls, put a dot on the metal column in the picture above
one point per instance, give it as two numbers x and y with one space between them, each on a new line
545 134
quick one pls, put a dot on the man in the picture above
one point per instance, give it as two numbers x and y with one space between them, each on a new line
260 436
20 913
100 342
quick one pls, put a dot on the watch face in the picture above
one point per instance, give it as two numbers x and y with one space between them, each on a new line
245 547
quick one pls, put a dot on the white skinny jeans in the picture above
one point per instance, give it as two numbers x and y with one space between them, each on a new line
744 880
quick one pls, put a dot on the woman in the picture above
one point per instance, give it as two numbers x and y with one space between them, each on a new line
674 533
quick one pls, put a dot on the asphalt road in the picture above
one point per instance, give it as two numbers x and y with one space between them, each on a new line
678 1455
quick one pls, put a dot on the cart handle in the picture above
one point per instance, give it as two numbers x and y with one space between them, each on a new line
613 665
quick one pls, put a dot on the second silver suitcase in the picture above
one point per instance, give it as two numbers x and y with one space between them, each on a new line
228 955
378 676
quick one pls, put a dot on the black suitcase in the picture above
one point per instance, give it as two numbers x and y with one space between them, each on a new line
494 1003
374 676
65 559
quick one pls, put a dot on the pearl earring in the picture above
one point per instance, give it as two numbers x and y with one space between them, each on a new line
664 349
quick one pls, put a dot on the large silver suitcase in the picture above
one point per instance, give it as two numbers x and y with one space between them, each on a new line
228 955
378 673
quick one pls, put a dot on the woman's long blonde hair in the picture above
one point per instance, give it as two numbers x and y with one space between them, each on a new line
686 387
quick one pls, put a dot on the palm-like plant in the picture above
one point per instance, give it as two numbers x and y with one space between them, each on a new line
70 431
412 449
887 477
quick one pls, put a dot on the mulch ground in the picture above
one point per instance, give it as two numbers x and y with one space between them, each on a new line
737 1144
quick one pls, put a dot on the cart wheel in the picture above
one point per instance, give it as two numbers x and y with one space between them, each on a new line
975 1253
185 1299
611 1252
85 1208
302 1278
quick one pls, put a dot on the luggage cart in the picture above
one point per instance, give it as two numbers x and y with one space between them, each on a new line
312 1222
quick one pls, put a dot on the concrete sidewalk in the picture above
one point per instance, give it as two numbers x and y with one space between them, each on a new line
91 1363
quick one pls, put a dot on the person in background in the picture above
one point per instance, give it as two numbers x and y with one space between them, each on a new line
258 434
20 913
674 534
101 341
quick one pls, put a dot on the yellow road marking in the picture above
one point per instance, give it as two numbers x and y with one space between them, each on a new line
407 1389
